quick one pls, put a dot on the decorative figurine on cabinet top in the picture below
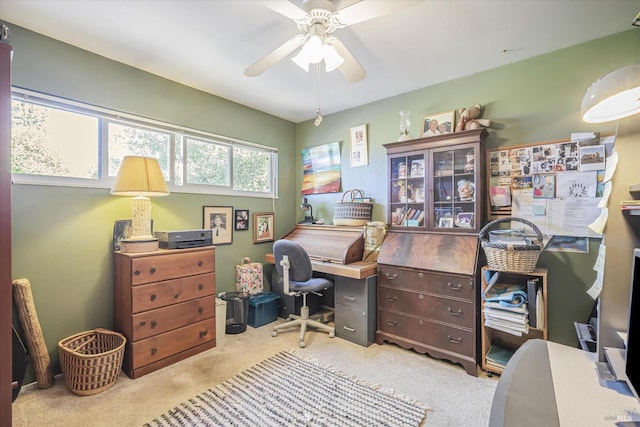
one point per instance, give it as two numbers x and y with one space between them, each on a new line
470 119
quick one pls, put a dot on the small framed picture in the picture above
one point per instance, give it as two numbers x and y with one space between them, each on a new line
218 219
263 227
464 220
445 222
438 124
358 137
242 220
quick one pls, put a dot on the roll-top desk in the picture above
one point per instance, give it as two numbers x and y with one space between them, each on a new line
164 304
427 293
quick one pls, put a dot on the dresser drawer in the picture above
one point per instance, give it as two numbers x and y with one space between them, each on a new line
351 293
354 325
164 345
417 304
171 265
161 294
165 319
417 280
442 337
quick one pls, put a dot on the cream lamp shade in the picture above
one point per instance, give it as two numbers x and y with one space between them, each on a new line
140 177
614 96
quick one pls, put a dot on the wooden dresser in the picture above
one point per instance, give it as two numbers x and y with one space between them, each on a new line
164 304
427 295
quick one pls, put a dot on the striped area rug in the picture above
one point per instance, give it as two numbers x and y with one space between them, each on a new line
291 390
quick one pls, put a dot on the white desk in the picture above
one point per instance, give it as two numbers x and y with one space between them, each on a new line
549 384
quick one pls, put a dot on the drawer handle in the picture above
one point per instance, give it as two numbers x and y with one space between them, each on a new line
200 287
454 288
200 310
454 313
143 323
136 273
153 297
200 263
176 296
454 340
391 299
153 324
153 270
346 328
350 299
421 275
391 322
203 333
390 277
153 351
420 296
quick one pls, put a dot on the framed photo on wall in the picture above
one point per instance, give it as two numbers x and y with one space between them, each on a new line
358 137
242 220
263 227
438 124
219 220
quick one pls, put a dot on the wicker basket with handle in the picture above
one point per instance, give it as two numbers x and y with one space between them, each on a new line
511 257
91 360
352 212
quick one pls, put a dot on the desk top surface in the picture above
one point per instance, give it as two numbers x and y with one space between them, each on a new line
355 270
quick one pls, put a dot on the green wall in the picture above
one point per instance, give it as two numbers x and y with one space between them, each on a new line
62 235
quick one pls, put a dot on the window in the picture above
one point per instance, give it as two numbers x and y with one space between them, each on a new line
57 142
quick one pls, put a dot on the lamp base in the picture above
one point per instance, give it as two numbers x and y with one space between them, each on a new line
136 246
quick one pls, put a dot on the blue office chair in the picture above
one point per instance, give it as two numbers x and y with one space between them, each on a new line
293 265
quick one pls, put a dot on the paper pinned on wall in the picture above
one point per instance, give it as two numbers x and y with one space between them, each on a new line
605 195
597 226
610 169
596 288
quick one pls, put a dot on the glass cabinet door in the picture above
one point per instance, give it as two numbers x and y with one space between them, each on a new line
454 188
407 190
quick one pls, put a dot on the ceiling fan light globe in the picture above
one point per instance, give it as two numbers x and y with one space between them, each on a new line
332 58
315 49
301 61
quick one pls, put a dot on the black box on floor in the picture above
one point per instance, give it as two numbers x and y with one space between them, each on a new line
288 304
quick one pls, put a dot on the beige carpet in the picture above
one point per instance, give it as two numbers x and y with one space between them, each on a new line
456 399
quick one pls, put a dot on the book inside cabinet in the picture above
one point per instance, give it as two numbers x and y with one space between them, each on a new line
505 328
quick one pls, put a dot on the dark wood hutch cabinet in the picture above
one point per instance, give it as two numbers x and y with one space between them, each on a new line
428 266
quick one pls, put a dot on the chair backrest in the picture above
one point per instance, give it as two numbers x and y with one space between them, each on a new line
300 270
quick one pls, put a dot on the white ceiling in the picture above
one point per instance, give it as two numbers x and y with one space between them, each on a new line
207 44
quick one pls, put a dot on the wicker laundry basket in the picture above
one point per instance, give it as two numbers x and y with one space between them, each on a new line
91 360
520 258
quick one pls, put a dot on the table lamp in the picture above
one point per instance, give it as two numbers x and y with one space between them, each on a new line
306 207
140 177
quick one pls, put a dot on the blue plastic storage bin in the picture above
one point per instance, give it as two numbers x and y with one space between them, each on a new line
263 309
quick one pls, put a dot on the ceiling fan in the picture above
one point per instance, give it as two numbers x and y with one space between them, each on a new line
317 20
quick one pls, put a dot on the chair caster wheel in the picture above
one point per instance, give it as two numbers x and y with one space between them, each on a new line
301 344
274 333
332 334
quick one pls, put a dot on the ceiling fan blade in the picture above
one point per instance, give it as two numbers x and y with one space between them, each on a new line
366 10
275 55
350 68
285 8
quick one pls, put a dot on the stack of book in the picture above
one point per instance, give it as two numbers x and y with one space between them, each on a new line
505 306
498 356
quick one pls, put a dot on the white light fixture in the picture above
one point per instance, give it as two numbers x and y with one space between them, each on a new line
613 96
140 177
316 49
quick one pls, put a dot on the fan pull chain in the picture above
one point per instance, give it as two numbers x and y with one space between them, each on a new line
318 115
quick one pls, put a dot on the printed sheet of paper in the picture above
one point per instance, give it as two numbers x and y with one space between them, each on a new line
612 164
596 288
576 184
572 216
526 207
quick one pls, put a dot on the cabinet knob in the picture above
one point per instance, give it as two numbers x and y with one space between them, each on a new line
421 275
454 313
200 286
200 263
153 324
200 310
143 323
136 273
176 296
420 296
154 350
153 297
152 270
453 287
203 333
454 340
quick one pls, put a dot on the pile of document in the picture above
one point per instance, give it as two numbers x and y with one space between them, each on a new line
498 356
505 306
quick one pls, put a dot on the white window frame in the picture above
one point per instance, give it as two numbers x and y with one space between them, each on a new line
106 116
